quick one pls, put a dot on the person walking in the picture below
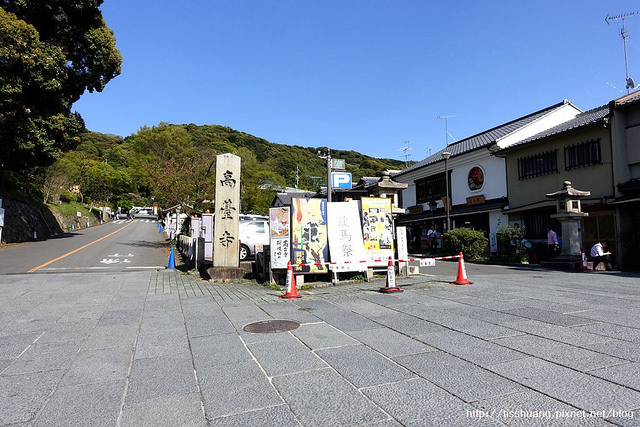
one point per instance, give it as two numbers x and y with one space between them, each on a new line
599 255
552 242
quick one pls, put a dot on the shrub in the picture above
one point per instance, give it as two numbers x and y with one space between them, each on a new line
471 243
510 243
67 196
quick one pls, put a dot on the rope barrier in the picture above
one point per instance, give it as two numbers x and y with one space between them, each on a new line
319 264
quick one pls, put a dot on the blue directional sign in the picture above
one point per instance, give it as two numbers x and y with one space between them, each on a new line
341 180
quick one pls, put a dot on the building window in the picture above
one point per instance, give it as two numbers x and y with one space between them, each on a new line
538 165
431 188
582 154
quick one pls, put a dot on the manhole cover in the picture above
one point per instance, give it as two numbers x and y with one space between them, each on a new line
271 326
305 309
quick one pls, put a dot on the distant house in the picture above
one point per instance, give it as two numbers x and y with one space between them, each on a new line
384 186
598 151
476 179
578 150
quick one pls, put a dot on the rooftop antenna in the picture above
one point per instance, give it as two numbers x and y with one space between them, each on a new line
407 152
446 128
623 32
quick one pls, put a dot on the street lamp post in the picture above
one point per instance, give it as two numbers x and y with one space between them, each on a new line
445 155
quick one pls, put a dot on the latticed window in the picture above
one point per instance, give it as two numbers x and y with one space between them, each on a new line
538 165
431 188
583 154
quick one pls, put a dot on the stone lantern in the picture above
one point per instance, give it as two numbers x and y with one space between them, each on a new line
569 215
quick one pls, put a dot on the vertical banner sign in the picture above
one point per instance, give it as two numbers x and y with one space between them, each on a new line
345 237
309 235
377 227
280 239
227 205
401 238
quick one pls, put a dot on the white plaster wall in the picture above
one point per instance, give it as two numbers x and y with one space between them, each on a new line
495 182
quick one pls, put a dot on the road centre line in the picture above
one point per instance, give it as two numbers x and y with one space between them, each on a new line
34 269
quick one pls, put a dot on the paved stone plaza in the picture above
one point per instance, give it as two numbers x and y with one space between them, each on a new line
517 347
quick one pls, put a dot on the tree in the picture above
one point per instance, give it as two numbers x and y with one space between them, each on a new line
50 53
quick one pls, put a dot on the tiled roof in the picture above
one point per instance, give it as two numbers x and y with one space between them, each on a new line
629 98
483 139
587 118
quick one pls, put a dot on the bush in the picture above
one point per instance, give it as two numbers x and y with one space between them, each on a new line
510 245
471 243
67 196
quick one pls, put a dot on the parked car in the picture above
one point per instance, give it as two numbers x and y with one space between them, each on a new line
254 230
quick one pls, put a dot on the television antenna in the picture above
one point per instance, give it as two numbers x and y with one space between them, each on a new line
446 128
631 84
407 152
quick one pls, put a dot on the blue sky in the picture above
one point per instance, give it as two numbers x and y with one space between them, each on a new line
363 75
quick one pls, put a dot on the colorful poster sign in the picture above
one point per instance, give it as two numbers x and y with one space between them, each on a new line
345 237
280 239
309 235
377 229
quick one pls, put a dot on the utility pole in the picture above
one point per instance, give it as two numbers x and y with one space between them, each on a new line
328 158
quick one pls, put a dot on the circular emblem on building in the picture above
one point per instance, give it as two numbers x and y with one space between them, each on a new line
476 178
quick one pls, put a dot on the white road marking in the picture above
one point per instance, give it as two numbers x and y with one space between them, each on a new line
109 261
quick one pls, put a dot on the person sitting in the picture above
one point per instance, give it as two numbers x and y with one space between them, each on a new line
599 255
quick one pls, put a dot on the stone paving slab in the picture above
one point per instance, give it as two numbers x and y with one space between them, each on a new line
181 410
575 388
235 388
470 348
364 367
462 379
576 358
529 408
418 402
280 416
95 404
307 396
321 335
389 342
285 355
162 348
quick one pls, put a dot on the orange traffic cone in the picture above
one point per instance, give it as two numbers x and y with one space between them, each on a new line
292 291
391 285
462 273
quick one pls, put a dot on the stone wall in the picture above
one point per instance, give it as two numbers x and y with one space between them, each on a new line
21 219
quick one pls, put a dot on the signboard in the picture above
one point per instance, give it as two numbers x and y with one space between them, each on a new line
475 200
401 239
207 233
1 217
79 214
341 180
227 211
280 238
338 164
345 237
309 235
377 228
475 178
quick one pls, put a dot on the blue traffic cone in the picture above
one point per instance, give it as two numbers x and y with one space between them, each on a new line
172 260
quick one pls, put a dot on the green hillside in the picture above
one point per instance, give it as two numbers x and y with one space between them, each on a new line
170 164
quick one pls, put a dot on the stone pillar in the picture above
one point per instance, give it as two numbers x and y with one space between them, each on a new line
227 211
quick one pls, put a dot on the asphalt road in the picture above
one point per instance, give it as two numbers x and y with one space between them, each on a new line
114 246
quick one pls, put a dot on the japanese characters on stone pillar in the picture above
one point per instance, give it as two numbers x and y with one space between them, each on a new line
227 205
